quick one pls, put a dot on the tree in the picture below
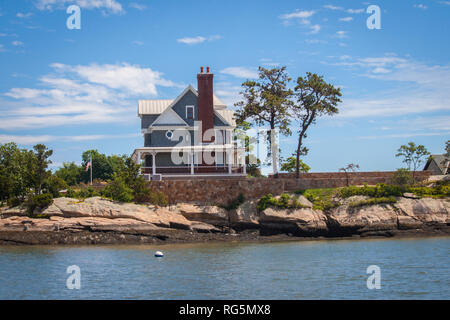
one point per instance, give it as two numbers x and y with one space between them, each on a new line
314 98
40 165
266 101
412 155
290 165
447 148
349 168
54 185
70 173
102 167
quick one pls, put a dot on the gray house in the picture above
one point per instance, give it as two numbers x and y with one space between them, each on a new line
191 135
438 164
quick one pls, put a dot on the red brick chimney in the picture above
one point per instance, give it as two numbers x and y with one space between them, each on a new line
205 101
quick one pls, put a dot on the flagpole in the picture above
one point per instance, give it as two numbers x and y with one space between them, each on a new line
90 156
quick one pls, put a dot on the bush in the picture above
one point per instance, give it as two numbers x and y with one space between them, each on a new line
88 192
378 191
403 178
158 198
14 202
373 201
39 202
439 191
118 190
322 199
54 184
284 202
71 193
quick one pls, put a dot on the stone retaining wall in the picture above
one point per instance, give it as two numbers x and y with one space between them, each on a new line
224 191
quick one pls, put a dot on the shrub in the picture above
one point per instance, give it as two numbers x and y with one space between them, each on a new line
284 202
158 198
322 199
71 193
403 178
118 190
88 192
378 191
439 191
39 202
54 184
373 201
14 202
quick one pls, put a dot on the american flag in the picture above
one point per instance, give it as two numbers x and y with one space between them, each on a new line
89 163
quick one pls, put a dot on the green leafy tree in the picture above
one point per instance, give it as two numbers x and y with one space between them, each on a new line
314 98
413 155
40 166
70 173
54 184
118 190
266 102
290 165
102 167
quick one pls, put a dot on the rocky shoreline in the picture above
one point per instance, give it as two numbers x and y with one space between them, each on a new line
98 221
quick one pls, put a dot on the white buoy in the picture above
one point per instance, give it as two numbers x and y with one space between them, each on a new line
159 254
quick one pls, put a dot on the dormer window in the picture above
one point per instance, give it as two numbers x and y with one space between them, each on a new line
190 112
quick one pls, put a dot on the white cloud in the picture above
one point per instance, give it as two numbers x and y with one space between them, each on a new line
412 87
354 11
332 7
336 8
110 5
2 48
33 139
241 72
82 94
341 34
17 43
447 3
315 29
138 43
297 15
24 15
198 39
138 6
346 19
420 6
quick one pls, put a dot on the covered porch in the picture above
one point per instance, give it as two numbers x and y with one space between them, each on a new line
221 160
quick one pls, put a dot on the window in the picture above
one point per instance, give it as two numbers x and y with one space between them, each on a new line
189 112
169 134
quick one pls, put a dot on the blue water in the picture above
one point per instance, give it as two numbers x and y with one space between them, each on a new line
410 269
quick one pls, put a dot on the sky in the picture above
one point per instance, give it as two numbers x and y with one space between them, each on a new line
78 89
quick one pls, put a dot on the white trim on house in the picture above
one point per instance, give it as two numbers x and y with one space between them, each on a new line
169 116
193 113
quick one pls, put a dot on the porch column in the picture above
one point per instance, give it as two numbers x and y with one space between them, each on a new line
138 161
153 163
230 162
244 169
191 157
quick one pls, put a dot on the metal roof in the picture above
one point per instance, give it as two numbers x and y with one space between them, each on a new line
152 106
158 106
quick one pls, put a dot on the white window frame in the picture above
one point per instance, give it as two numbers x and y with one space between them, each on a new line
171 134
193 115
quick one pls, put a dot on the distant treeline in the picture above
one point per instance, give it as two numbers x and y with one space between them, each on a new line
25 178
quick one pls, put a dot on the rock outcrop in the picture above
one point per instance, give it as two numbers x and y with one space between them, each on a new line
97 220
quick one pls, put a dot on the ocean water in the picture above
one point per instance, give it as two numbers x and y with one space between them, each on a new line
409 269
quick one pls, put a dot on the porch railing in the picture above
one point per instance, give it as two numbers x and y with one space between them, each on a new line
197 170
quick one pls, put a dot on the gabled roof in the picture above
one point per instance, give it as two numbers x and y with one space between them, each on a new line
442 161
146 107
